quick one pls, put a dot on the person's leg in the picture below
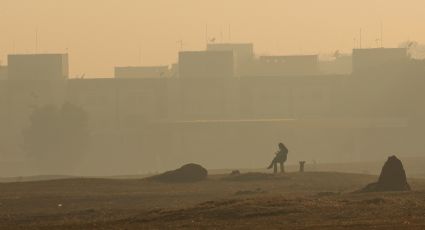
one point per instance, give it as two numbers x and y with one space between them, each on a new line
282 167
275 167
271 165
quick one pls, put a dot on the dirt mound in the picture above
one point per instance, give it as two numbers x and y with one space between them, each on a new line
249 177
235 172
187 173
393 178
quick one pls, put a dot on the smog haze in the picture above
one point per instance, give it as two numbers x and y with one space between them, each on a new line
101 34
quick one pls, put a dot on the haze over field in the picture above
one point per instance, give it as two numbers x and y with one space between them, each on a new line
102 34
224 114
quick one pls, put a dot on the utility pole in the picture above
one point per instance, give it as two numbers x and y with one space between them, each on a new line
180 42
206 34
382 34
140 56
221 34
36 40
360 38
230 34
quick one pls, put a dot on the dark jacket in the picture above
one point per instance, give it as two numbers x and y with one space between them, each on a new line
281 156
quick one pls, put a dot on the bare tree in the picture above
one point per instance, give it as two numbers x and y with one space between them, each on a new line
57 137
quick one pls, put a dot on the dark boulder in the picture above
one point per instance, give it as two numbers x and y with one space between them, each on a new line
235 172
187 173
392 178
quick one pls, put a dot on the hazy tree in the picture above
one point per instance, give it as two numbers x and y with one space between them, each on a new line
57 137
415 49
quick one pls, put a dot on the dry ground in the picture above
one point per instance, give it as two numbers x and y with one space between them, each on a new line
292 201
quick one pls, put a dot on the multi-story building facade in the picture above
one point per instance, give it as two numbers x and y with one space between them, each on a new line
214 117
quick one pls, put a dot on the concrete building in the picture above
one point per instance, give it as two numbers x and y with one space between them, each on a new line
297 65
377 59
210 117
174 70
5 137
38 67
34 80
243 54
341 64
134 72
242 51
3 72
206 64
37 79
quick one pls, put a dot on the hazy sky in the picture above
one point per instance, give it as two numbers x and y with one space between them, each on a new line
101 34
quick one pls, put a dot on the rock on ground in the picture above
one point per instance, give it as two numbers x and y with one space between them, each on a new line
187 173
392 178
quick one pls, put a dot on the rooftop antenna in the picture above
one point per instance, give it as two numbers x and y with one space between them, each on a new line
230 33
382 34
378 41
36 40
364 34
140 55
221 34
206 34
180 42
360 42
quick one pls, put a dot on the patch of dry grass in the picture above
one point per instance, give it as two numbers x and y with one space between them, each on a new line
291 201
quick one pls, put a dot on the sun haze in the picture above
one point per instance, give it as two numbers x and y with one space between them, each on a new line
102 34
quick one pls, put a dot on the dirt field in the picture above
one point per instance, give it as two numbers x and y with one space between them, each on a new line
293 201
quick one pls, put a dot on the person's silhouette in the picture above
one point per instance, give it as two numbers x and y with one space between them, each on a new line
281 157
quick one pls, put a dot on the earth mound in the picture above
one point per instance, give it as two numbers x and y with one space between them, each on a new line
392 178
187 173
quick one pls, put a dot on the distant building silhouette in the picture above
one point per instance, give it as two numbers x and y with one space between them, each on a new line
204 110
206 64
243 54
341 64
174 70
33 80
38 67
296 65
142 72
3 72
372 60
